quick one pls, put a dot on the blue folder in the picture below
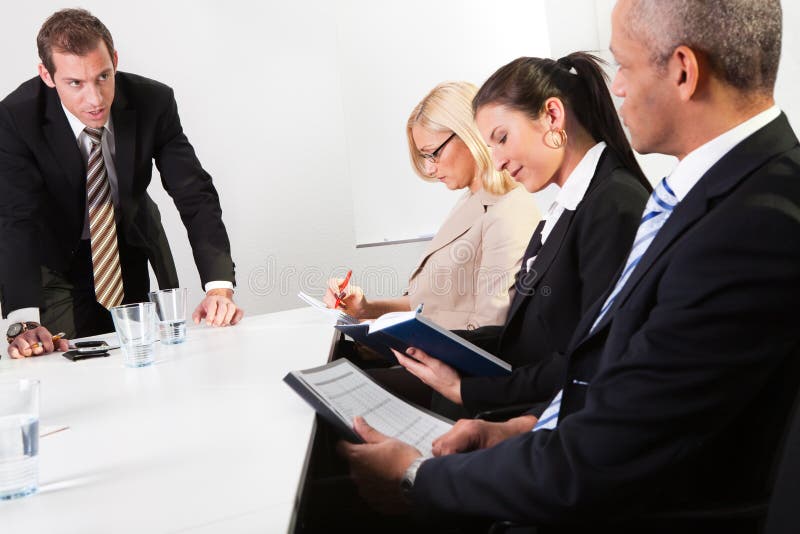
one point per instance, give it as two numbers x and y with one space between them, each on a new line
421 332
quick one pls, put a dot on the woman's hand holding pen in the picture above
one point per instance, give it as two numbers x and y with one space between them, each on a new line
351 298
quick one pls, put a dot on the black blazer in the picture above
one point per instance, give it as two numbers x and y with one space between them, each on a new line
43 191
574 267
690 374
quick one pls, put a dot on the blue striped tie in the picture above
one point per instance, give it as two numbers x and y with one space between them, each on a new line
549 418
656 213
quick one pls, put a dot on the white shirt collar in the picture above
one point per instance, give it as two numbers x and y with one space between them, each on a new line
77 126
572 193
578 180
691 168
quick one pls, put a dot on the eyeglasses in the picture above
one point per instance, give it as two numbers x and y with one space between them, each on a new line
434 156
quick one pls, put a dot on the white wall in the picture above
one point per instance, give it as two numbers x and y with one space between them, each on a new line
387 67
590 30
789 72
262 97
258 90
589 23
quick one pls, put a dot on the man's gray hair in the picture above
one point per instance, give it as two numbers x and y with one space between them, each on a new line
741 38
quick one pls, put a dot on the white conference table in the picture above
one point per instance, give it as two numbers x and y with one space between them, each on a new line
209 439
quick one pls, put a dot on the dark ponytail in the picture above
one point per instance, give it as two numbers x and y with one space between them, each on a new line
579 81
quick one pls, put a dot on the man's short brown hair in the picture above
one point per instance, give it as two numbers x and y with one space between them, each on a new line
74 31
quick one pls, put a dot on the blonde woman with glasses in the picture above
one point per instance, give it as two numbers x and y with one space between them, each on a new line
466 271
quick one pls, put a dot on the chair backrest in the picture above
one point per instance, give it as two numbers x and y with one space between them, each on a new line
783 516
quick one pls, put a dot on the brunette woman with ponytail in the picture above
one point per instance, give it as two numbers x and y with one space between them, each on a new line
549 123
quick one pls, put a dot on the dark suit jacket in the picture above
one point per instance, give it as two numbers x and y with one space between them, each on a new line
43 191
690 374
574 267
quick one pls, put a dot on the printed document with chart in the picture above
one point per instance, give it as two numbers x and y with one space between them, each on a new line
340 391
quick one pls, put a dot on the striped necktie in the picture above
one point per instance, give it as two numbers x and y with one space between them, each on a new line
658 209
549 418
102 227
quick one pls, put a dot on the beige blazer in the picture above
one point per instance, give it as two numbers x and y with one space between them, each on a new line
465 276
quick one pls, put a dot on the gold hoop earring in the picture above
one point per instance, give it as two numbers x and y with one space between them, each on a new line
558 138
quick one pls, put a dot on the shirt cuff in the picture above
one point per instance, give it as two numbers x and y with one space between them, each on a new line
218 284
23 315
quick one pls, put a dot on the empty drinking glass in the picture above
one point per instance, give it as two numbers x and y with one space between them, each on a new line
136 328
19 438
171 312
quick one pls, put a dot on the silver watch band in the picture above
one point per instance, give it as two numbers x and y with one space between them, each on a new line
410 475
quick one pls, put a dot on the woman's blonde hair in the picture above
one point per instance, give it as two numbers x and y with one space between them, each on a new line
448 108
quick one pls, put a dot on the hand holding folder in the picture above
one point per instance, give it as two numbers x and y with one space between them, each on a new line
433 372
401 330
340 392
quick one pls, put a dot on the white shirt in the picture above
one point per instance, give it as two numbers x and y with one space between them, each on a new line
691 168
108 146
569 196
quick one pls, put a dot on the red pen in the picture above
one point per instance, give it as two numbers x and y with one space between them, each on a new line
343 285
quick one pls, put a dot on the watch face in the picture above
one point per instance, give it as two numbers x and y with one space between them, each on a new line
14 330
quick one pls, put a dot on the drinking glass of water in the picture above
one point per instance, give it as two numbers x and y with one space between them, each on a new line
136 328
171 312
19 438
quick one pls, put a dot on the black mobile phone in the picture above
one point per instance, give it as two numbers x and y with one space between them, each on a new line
95 343
85 353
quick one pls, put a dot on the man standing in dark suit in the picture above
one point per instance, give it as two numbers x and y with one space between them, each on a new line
681 376
77 227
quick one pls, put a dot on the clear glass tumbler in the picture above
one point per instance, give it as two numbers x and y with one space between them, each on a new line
171 312
136 328
19 438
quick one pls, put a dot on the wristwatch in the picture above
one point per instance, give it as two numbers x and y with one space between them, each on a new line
16 329
407 482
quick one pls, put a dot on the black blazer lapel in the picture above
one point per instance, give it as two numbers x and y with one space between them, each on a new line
535 243
533 248
528 279
124 123
771 140
62 142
